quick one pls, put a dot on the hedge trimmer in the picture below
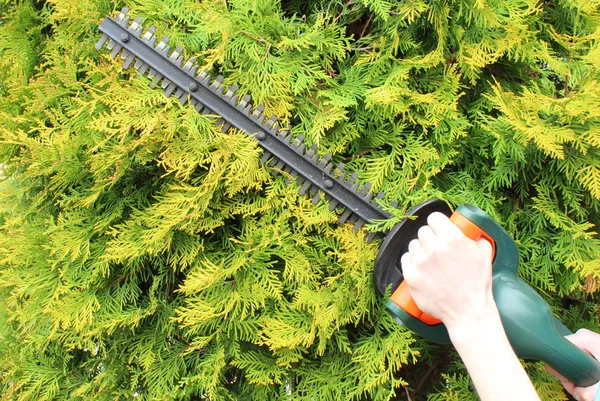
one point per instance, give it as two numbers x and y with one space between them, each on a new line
528 321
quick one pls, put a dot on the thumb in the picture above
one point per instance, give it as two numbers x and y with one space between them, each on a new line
585 393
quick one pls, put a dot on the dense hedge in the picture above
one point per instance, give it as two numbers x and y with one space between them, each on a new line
145 255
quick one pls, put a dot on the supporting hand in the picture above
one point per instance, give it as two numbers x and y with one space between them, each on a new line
589 342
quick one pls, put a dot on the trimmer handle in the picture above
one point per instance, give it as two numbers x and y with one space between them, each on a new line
530 326
402 297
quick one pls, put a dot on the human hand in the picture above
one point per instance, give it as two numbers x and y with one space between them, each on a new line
449 275
590 342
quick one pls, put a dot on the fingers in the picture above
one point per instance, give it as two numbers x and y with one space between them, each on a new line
411 259
554 373
586 393
427 238
408 269
441 225
586 340
416 252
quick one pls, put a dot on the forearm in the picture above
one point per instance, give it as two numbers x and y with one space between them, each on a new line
494 368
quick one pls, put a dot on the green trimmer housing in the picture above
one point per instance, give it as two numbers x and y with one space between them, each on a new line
532 330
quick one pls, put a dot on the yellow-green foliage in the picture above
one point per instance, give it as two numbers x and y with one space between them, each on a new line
146 255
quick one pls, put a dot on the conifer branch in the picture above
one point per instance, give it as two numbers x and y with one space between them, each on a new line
146 253
259 39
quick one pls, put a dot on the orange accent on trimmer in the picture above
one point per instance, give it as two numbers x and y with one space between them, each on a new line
471 230
402 297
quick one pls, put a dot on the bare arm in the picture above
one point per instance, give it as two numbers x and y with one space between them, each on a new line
450 277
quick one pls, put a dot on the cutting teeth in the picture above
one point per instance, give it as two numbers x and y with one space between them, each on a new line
333 204
199 107
122 14
114 47
265 157
162 46
216 83
190 67
204 77
272 125
353 183
136 26
358 225
260 119
258 111
244 102
308 179
325 165
311 153
365 192
304 187
316 198
128 61
176 57
102 41
284 131
154 76
120 18
294 175
115 51
141 67
230 92
347 212
223 125
149 36
298 145
179 93
340 173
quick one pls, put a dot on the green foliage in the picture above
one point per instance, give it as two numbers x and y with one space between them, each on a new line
145 255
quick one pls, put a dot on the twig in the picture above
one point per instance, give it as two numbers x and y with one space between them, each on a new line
362 33
424 378
262 40
266 52
336 19
407 394
362 153
119 279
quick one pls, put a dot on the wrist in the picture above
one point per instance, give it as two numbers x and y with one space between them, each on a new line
476 323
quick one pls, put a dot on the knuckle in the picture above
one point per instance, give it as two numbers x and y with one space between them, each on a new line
455 237
587 336
412 245
420 259
442 248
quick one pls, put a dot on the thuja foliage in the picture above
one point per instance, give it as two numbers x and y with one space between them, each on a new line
145 255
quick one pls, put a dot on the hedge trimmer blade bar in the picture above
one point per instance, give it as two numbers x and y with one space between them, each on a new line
314 173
